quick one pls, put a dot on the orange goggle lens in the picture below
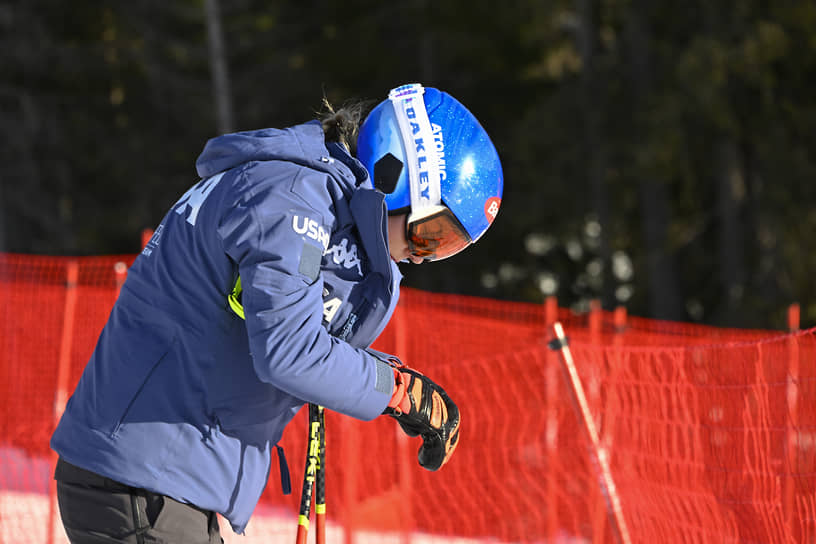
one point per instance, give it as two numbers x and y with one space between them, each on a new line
436 234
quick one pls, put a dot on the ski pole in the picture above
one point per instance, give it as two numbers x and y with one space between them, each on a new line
320 491
598 452
313 472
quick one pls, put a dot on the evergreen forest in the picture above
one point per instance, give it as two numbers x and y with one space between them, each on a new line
657 155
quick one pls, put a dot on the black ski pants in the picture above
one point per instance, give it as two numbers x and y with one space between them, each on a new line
98 510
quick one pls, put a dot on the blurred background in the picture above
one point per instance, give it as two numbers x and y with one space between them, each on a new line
657 155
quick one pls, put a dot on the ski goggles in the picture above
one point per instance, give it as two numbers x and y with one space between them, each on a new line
434 233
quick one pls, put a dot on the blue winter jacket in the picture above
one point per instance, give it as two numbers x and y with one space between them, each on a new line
183 397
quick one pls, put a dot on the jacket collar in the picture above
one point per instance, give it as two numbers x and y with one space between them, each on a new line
369 213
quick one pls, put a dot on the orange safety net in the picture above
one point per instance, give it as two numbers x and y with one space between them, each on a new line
709 433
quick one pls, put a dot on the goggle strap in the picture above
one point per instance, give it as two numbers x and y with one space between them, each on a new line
420 147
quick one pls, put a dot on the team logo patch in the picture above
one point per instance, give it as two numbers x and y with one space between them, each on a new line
153 244
195 197
312 229
346 256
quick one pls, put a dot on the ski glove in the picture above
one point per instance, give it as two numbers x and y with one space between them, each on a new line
422 408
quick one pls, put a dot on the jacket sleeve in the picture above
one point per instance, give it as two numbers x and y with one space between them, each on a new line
277 233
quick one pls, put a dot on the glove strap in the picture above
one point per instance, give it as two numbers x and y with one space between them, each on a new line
400 401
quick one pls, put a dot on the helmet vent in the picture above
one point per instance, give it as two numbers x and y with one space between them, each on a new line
387 172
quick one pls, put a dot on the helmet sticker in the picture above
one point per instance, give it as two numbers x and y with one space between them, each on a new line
491 208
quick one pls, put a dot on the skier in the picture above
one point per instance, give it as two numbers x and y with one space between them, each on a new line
262 290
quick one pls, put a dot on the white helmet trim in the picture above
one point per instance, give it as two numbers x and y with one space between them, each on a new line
424 177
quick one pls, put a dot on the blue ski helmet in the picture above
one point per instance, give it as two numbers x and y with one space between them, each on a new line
434 161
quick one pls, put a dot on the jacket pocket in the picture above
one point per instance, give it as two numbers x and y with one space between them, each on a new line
257 420
130 349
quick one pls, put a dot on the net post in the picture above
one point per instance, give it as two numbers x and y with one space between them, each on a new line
63 370
792 420
595 324
404 445
620 318
119 274
595 319
351 473
551 405
147 234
